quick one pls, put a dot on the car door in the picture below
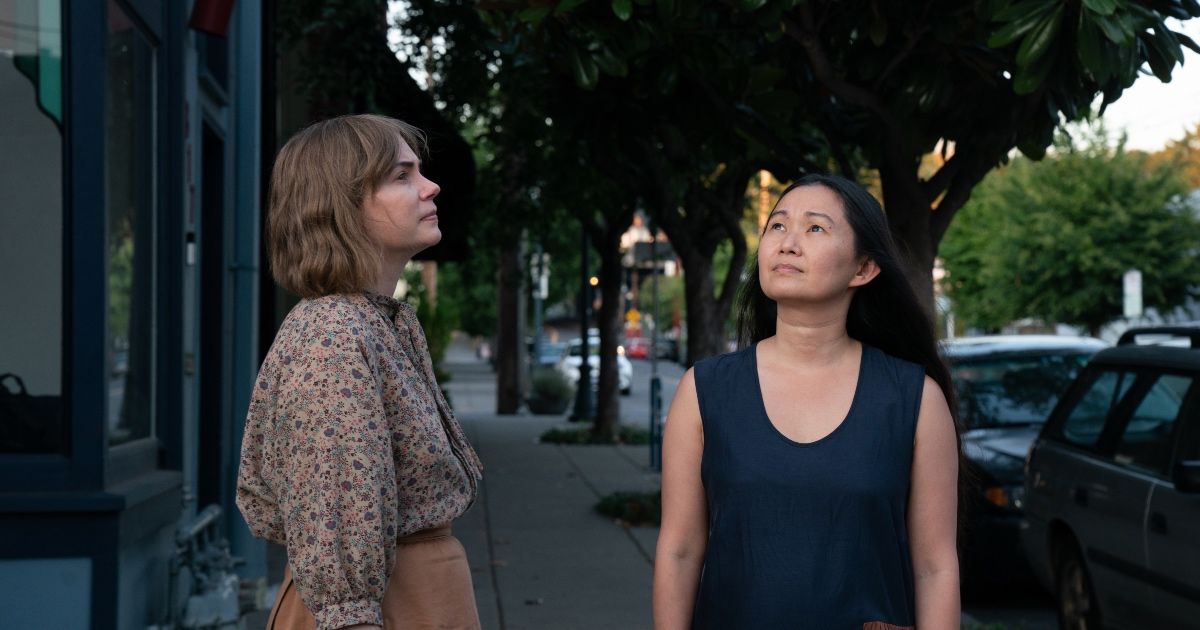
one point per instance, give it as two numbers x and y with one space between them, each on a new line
1173 518
1104 505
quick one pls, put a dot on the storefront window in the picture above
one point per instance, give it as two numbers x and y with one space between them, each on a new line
31 228
130 192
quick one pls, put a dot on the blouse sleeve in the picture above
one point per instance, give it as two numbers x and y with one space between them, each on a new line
338 496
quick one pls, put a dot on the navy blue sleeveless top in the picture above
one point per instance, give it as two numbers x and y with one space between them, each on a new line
806 535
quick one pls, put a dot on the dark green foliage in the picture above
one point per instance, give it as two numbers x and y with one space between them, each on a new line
438 321
471 293
1052 239
549 392
626 434
633 508
580 111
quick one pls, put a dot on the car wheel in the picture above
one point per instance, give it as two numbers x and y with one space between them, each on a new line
626 391
1077 606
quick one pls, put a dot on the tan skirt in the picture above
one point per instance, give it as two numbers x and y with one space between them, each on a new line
430 588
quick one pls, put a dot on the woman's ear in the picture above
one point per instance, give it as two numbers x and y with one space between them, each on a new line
867 270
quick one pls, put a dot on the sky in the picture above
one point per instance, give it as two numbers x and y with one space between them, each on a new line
1153 112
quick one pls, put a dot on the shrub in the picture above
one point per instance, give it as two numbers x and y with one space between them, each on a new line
626 434
549 393
633 508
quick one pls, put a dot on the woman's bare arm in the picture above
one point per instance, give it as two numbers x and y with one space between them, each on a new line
933 513
683 536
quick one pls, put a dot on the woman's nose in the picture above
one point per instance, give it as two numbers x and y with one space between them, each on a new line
431 189
789 244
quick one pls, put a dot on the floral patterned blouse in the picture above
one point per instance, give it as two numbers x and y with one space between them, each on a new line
349 444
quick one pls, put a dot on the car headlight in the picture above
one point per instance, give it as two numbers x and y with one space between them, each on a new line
1006 497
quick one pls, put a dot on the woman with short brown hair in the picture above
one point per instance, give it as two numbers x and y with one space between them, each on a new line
351 456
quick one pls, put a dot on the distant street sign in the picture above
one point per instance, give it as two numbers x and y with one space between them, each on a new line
1133 293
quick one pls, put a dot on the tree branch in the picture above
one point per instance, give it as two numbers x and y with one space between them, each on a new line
839 154
733 277
752 124
940 180
806 36
957 193
909 46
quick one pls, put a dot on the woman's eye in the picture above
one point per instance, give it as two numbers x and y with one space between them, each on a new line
776 226
816 228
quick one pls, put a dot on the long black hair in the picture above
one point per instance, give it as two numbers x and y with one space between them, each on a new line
883 313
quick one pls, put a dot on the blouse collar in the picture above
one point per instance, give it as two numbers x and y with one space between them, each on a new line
388 305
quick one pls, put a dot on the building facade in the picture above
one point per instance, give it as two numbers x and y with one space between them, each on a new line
131 168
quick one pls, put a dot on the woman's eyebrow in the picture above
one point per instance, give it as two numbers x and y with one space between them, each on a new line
822 215
808 213
408 164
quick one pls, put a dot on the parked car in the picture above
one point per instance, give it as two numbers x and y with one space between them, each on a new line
668 349
549 352
1006 387
637 347
570 361
1112 522
640 348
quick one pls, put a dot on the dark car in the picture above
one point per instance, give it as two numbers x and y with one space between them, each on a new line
1112 521
1006 387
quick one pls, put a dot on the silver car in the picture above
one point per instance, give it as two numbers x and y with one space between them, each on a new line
570 361
1112 511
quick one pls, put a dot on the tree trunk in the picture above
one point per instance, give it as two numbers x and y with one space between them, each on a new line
715 214
509 351
608 320
705 319
909 218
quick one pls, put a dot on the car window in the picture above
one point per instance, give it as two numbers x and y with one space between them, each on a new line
1012 390
1146 441
593 348
1086 420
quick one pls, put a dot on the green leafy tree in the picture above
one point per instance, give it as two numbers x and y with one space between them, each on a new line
868 82
1183 155
1052 239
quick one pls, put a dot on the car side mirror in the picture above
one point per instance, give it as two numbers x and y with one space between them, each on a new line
1187 476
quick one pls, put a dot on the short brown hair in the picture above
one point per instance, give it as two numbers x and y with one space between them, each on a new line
316 240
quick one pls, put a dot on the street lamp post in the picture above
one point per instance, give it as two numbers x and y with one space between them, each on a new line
540 272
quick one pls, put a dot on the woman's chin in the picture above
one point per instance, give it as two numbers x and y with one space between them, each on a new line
433 235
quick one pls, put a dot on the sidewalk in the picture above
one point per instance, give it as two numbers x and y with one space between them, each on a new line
541 557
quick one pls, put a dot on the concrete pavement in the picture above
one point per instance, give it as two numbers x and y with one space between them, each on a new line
541 557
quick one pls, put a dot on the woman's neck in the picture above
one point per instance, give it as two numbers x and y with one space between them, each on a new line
389 276
808 336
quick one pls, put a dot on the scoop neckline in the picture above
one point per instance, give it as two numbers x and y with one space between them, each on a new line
854 400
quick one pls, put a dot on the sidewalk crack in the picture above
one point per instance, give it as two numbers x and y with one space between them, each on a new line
595 491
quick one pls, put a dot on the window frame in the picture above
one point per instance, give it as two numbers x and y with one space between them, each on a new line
1067 403
1119 416
1146 380
79 474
